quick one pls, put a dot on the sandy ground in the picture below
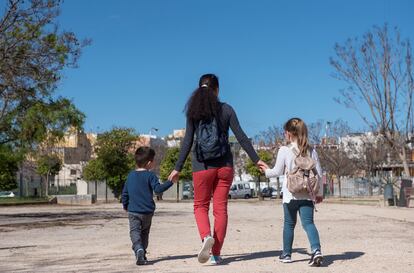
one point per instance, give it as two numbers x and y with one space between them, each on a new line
95 239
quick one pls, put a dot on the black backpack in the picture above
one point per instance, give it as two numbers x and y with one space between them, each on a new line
211 141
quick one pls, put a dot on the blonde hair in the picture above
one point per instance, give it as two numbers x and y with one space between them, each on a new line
298 129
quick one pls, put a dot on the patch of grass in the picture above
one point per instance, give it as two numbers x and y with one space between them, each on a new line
22 200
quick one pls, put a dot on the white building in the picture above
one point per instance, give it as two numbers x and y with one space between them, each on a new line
174 139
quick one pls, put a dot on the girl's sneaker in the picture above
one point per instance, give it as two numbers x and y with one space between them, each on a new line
204 253
216 260
285 258
316 258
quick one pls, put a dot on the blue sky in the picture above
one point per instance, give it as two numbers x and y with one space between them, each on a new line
272 57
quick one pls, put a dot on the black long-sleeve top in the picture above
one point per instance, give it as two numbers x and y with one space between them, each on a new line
228 119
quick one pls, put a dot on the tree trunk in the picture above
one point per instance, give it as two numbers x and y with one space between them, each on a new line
47 185
370 185
96 190
403 156
259 192
178 193
339 186
41 186
106 191
278 188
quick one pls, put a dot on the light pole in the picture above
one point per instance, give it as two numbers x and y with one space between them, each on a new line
328 124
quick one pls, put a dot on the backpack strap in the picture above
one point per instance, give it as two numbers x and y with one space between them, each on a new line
311 193
294 150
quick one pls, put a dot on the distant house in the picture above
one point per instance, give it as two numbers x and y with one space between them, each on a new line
174 139
75 149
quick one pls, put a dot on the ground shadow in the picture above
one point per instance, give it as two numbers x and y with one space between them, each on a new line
171 258
231 257
253 256
351 255
228 259
16 247
330 259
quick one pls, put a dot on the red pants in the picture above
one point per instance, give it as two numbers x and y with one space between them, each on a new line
212 183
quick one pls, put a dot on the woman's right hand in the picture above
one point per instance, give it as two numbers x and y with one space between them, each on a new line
174 176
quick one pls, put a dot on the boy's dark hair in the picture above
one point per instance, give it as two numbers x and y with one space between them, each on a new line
143 155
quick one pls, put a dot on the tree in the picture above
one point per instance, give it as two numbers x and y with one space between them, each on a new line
8 168
253 170
160 152
47 165
239 158
94 171
114 153
168 164
272 137
370 153
33 55
378 72
333 156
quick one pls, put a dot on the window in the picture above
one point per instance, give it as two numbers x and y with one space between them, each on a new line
246 186
240 186
233 188
72 172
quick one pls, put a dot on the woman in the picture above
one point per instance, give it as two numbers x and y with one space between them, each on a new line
211 177
296 134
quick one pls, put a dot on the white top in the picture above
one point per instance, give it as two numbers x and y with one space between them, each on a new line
285 162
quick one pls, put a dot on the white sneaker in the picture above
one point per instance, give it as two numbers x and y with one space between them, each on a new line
204 254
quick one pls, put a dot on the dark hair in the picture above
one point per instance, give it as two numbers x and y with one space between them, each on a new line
298 129
143 155
204 103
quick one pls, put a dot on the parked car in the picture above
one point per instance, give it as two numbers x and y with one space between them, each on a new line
240 189
7 194
271 192
188 191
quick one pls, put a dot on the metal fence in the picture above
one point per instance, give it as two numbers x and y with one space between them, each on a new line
71 189
359 187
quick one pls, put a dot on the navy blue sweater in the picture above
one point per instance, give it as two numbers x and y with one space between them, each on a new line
137 195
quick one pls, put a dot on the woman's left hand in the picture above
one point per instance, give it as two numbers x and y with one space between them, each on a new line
262 165
174 176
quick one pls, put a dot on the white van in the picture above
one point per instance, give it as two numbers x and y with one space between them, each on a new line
240 189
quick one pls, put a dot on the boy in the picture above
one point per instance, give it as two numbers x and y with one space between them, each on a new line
137 199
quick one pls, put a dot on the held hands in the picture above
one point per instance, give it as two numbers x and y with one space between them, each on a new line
262 166
318 199
174 175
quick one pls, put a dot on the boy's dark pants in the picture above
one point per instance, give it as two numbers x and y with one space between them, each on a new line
139 228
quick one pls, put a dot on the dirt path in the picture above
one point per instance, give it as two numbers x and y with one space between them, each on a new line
96 239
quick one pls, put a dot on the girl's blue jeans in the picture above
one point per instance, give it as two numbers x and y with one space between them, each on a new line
305 209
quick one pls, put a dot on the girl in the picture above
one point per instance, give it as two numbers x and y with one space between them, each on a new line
212 178
296 134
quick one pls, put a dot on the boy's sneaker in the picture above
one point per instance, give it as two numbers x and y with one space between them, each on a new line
316 258
140 256
204 253
216 260
285 258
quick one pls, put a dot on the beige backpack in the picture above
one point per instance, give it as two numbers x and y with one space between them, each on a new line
304 177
